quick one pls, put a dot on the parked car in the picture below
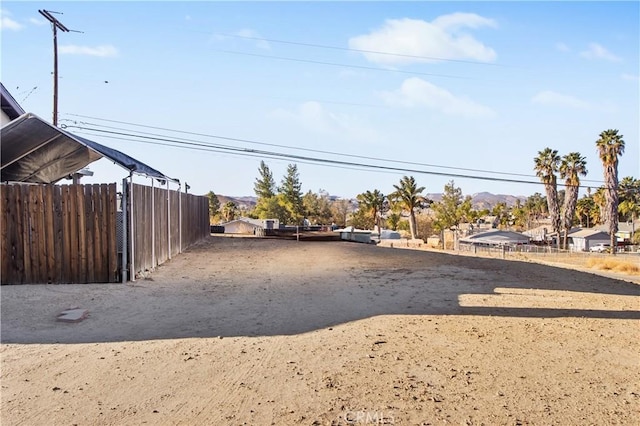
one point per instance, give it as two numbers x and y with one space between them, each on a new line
600 248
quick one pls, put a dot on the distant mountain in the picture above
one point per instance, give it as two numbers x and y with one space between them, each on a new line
488 200
480 200
242 202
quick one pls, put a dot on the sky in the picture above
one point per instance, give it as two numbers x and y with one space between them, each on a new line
463 91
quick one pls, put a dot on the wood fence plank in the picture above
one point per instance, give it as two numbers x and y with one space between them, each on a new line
90 236
26 238
49 229
99 260
73 235
82 234
40 239
113 237
18 242
6 255
58 233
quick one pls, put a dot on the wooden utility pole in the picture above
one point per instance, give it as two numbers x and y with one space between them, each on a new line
56 25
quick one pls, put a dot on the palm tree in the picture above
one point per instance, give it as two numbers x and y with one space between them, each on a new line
409 197
629 198
229 211
572 166
373 202
546 166
610 146
586 209
601 204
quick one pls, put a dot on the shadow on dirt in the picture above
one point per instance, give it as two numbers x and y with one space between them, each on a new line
254 287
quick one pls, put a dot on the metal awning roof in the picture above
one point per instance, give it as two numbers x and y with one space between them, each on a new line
34 151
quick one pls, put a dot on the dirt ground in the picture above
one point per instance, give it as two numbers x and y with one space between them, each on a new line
264 332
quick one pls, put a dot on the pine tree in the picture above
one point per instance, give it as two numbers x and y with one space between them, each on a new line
264 187
291 190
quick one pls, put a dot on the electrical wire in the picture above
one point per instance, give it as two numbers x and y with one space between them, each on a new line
350 49
336 64
362 157
272 154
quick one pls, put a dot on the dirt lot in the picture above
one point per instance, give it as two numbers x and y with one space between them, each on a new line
252 331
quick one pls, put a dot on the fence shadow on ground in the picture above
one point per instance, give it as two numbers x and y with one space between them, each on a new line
252 287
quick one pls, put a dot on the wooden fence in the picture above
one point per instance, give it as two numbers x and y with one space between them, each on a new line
58 233
165 222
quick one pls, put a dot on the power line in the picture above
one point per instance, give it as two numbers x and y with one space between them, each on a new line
349 49
362 157
335 64
317 160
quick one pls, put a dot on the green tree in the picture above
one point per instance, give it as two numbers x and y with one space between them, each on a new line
601 203
359 219
291 190
610 147
546 166
520 215
229 211
264 186
409 197
317 208
373 205
214 205
340 211
452 209
572 166
629 198
393 220
502 214
587 211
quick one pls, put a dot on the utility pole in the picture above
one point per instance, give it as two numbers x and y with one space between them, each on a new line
56 25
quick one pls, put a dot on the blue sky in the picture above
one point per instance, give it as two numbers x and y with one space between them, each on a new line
470 86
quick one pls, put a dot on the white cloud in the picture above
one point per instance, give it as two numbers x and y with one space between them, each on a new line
103 51
562 47
312 116
415 93
597 51
38 22
442 38
549 97
7 23
251 34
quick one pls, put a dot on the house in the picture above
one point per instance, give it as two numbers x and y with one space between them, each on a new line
583 239
10 107
496 237
246 225
625 229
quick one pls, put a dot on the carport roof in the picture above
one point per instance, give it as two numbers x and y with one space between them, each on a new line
35 151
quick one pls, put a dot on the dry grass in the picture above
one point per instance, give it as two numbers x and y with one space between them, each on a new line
622 264
618 265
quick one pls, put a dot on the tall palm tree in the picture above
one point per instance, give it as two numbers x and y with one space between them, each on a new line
546 166
373 202
409 196
611 146
572 166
